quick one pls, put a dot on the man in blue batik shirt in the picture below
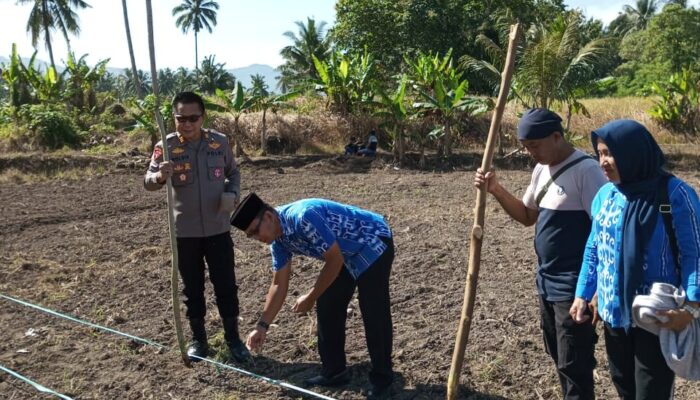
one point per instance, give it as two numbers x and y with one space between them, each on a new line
358 250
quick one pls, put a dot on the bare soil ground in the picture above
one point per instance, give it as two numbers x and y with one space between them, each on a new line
98 249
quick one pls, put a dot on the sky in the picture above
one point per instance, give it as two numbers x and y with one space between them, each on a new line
248 31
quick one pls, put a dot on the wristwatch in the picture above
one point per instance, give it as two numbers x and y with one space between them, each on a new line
263 324
695 312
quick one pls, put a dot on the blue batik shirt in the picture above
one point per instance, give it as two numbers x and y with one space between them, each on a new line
311 226
599 270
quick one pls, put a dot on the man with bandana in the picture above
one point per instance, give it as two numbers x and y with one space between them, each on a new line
558 200
206 188
357 248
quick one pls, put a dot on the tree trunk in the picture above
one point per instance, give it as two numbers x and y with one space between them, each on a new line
196 53
448 137
171 214
47 35
421 161
238 151
134 71
499 141
477 233
401 144
263 134
568 117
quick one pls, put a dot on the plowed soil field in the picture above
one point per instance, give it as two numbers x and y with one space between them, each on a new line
97 249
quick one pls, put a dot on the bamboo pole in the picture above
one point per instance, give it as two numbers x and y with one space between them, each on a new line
477 229
171 216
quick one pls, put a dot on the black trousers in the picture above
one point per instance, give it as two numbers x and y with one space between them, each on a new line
571 346
373 294
217 250
637 365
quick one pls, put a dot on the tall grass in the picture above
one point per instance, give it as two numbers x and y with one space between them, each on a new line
601 111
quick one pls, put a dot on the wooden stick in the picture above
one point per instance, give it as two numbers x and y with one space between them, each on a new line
171 216
477 229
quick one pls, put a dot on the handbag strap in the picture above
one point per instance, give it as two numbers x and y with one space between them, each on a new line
563 169
667 216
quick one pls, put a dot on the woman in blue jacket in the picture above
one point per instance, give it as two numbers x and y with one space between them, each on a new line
629 249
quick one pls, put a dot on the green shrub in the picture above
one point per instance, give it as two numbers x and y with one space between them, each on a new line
49 127
679 107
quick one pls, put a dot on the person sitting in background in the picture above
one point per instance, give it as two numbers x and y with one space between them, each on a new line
352 147
371 148
629 249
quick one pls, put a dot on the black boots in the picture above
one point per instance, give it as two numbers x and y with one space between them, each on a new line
199 348
239 352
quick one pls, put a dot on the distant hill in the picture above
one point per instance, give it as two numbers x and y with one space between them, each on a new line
242 74
25 61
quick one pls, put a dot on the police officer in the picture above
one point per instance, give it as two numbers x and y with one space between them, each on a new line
206 186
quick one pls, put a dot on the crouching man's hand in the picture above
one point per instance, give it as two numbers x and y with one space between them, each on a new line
256 338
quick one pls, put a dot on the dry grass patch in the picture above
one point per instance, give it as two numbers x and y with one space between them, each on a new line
603 110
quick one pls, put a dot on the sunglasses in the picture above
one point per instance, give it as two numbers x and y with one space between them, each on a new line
256 230
188 118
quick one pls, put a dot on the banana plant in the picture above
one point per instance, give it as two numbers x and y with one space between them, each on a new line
46 87
678 104
393 108
443 95
346 80
82 80
15 77
273 103
237 104
145 116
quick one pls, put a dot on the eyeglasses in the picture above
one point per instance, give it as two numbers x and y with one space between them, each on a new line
256 230
187 118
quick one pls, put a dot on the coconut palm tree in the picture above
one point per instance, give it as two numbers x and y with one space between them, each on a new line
310 41
167 82
134 71
195 15
142 79
47 15
185 80
640 15
213 76
258 86
556 67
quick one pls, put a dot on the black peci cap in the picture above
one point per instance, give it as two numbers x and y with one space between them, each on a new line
246 212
